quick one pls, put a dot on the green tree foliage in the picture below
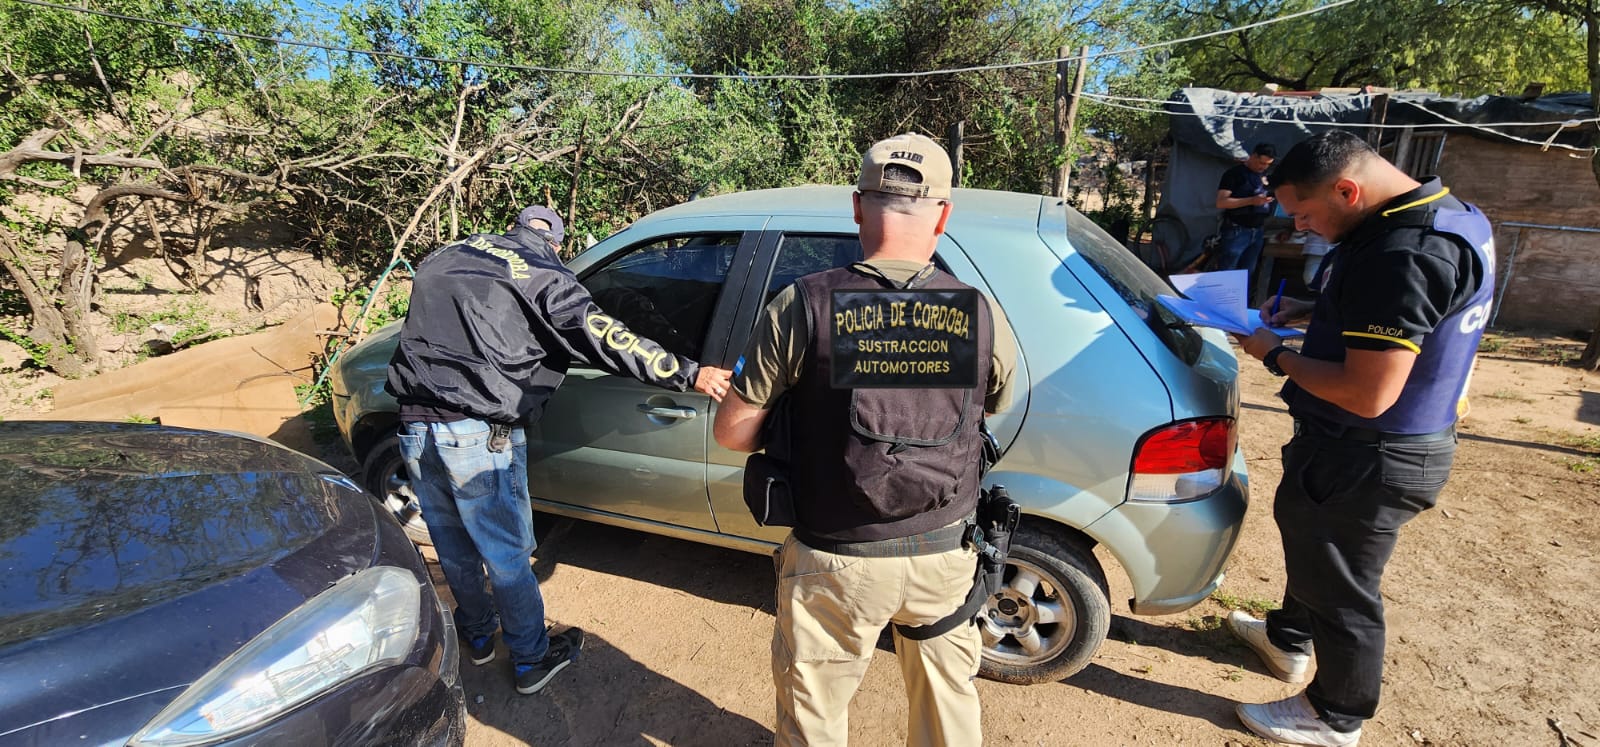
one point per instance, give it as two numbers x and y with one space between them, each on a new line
59 62
368 157
93 102
1010 112
1464 47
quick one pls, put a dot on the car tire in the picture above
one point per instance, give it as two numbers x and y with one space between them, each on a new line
1052 613
383 473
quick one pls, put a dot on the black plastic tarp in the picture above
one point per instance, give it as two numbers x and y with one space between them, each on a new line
1213 129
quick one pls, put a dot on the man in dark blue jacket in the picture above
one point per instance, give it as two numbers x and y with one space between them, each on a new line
1375 392
494 323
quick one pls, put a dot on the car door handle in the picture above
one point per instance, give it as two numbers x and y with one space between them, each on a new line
681 413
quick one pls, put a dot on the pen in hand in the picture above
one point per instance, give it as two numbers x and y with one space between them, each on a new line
1278 299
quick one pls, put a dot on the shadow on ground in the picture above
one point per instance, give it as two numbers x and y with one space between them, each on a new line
713 573
1158 696
652 710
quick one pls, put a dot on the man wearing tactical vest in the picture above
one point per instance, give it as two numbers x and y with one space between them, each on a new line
889 365
1375 392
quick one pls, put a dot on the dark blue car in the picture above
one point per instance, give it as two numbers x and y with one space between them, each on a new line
161 586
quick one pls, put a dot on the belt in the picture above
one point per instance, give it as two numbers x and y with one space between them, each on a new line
943 539
1308 427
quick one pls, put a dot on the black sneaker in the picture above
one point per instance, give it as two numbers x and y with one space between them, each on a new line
564 649
481 649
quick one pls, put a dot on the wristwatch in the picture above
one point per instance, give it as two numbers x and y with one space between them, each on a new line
1270 360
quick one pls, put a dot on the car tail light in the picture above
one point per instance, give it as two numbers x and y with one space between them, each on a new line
1183 461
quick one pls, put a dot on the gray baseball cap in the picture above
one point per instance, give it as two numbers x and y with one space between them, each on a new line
532 213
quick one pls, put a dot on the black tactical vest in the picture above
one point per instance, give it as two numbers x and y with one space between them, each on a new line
884 420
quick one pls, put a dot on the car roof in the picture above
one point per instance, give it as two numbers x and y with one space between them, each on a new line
973 207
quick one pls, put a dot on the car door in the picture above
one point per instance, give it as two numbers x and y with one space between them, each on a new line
806 247
613 444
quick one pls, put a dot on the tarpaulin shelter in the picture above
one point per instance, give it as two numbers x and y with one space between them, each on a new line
1541 195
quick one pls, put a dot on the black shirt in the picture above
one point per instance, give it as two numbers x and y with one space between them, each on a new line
1400 277
1240 181
1398 281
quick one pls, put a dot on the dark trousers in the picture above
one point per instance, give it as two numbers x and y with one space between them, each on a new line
1339 509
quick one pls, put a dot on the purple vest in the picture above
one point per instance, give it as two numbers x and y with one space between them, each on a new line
1435 393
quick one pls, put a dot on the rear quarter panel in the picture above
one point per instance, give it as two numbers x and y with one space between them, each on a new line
1090 393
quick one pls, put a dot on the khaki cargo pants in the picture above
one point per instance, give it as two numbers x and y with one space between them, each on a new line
831 610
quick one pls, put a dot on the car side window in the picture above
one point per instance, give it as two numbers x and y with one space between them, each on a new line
803 254
666 289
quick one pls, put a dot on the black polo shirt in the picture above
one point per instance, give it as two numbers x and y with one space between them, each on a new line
1391 282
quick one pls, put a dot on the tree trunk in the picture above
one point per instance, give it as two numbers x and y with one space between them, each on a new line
75 296
50 326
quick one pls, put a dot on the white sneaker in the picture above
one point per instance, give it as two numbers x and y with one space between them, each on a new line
1289 666
1293 721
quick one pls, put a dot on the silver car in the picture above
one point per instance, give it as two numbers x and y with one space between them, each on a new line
1123 432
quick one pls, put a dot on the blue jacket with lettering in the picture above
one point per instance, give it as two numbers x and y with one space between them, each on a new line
1453 235
494 323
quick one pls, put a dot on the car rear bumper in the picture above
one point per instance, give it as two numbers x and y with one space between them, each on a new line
1176 551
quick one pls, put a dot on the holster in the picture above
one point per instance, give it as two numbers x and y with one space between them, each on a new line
766 474
990 535
766 491
997 521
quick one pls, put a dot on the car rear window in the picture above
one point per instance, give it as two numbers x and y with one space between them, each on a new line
1135 282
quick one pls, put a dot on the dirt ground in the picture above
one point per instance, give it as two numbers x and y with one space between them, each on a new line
1493 605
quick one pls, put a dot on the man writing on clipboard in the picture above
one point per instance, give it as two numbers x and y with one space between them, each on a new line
1375 392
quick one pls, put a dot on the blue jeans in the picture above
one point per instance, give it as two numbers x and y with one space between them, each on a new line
1240 247
476 504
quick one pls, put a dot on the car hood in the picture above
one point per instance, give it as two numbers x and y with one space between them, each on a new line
137 558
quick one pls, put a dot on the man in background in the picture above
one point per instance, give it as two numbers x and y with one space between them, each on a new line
1245 201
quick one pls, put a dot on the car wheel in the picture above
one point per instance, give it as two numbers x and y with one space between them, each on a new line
1051 615
383 473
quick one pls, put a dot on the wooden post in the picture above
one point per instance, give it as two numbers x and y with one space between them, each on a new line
1402 151
1378 114
1591 352
1145 215
1067 114
957 133
1058 180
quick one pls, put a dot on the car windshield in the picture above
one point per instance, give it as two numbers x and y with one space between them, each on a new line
1135 282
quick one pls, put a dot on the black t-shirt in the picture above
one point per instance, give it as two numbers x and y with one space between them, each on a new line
1240 181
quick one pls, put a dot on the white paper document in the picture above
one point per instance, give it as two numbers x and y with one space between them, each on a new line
1218 299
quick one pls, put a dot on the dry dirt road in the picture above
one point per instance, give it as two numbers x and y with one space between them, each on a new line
1493 605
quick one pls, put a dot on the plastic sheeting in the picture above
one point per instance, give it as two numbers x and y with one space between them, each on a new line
1214 129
